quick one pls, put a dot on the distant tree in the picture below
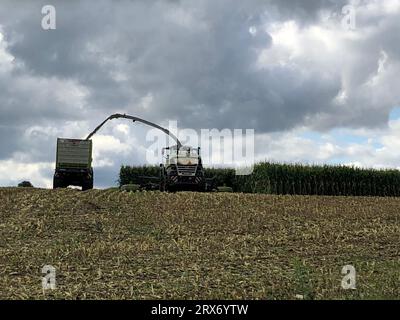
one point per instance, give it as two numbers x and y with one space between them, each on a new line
25 184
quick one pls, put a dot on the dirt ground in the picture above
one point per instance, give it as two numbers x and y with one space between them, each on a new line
106 244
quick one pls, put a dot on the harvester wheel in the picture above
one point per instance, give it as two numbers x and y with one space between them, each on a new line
162 186
163 182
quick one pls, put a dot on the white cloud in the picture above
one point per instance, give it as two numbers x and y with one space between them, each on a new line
13 172
106 148
381 151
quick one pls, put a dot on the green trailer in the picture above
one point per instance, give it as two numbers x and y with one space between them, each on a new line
73 164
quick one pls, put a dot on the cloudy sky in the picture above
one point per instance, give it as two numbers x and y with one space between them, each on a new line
315 86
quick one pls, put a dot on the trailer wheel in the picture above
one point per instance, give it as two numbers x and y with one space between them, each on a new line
87 185
57 183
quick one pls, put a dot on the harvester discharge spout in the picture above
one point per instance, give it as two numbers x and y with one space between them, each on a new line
134 119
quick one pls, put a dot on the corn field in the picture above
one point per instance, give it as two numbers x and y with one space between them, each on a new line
294 179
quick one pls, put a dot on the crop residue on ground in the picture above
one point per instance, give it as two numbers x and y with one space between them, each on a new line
152 245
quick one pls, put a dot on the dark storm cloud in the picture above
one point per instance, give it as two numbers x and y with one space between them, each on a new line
9 136
192 57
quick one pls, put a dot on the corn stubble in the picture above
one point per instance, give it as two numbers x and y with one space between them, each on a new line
107 244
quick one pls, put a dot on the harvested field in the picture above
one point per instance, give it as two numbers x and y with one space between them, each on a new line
152 245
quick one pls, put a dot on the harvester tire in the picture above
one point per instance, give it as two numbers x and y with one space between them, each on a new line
162 186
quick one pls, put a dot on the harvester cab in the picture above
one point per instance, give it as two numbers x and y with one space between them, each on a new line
183 156
182 169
